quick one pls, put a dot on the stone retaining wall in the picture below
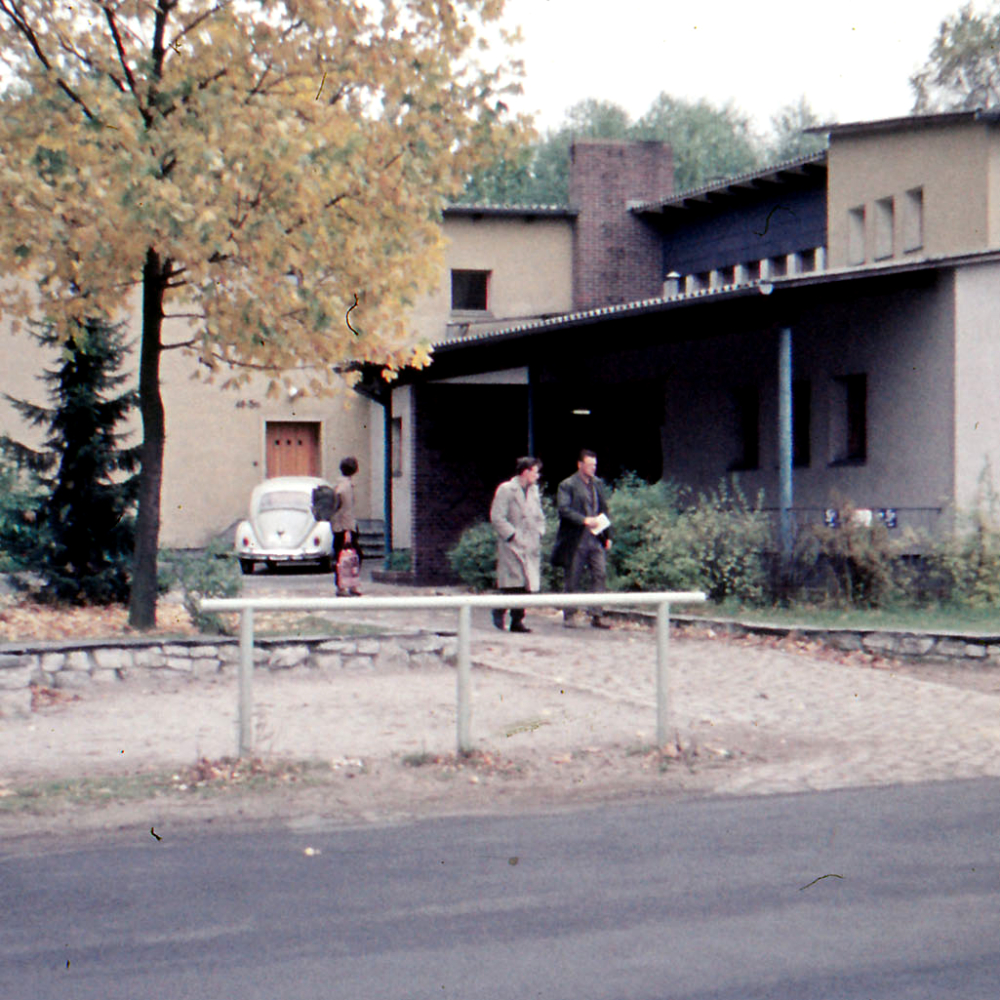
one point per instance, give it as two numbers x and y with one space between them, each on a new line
932 647
78 664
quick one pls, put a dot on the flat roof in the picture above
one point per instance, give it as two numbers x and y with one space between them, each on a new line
777 173
988 115
721 293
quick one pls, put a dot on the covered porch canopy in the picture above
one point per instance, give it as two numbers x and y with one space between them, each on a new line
755 379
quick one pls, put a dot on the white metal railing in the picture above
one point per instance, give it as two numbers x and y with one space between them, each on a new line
463 603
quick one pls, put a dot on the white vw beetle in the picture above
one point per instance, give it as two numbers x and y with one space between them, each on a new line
281 527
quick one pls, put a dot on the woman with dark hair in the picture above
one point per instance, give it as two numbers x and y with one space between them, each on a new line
345 528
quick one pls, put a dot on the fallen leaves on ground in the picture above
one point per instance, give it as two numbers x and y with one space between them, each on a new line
477 761
22 619
229 771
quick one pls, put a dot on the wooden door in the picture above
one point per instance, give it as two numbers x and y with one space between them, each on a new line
292 448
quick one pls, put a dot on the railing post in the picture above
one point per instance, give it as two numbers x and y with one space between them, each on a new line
662 690
464 677
245 722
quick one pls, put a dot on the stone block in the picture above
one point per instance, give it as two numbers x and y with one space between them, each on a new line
880 642
915 645
79 659
13 659
203 652
328 661
422 643
847 641
338 646
975 651
288 657
102 675
392 656
14 678
182 664
230 653
51 662
369 647
150 657
112 658
952 649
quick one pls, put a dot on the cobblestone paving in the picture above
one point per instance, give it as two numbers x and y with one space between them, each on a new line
802 723
796 722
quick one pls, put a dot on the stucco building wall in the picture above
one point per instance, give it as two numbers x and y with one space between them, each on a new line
955 166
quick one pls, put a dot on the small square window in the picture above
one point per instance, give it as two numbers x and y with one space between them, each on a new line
470 291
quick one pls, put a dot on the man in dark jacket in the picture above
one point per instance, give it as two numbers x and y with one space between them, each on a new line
582 543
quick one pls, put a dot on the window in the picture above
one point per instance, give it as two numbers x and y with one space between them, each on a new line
801 427
913 220
396 446
746 404
778 267
470 291
856 235
849 420
885 212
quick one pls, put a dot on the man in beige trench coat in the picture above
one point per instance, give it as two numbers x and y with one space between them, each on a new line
517 518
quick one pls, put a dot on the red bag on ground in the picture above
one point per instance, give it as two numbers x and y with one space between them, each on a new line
348 570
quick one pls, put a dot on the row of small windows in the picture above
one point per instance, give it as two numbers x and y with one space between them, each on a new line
888 232
804 262
848 426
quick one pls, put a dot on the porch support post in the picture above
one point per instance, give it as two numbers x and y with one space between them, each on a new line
387 477
785 440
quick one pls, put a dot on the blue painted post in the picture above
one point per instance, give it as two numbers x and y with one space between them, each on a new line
785 440
387 478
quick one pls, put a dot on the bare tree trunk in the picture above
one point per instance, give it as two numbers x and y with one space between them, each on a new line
142 598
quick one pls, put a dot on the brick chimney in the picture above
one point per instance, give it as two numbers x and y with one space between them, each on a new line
616 256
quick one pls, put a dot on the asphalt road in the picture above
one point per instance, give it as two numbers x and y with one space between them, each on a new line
889 893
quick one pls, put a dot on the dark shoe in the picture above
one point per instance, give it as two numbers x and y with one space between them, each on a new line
570 623
354 593
519 627
598 622
498 617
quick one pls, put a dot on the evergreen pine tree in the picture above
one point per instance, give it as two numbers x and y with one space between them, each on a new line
81 544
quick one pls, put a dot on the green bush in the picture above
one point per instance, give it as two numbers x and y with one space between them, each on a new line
968 558
716 542
856 559
730 539
20 497
473 558
212 573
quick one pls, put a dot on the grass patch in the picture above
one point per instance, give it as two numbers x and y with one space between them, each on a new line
204 778
314 624
938 618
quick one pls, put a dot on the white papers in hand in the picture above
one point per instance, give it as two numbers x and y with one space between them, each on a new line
603 523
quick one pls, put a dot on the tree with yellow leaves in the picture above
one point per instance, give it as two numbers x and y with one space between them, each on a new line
271 171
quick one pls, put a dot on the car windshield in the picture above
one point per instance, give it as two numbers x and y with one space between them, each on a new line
285 500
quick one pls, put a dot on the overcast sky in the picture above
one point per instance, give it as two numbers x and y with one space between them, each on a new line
852 59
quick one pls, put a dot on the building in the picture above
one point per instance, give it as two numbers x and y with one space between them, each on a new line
874 266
